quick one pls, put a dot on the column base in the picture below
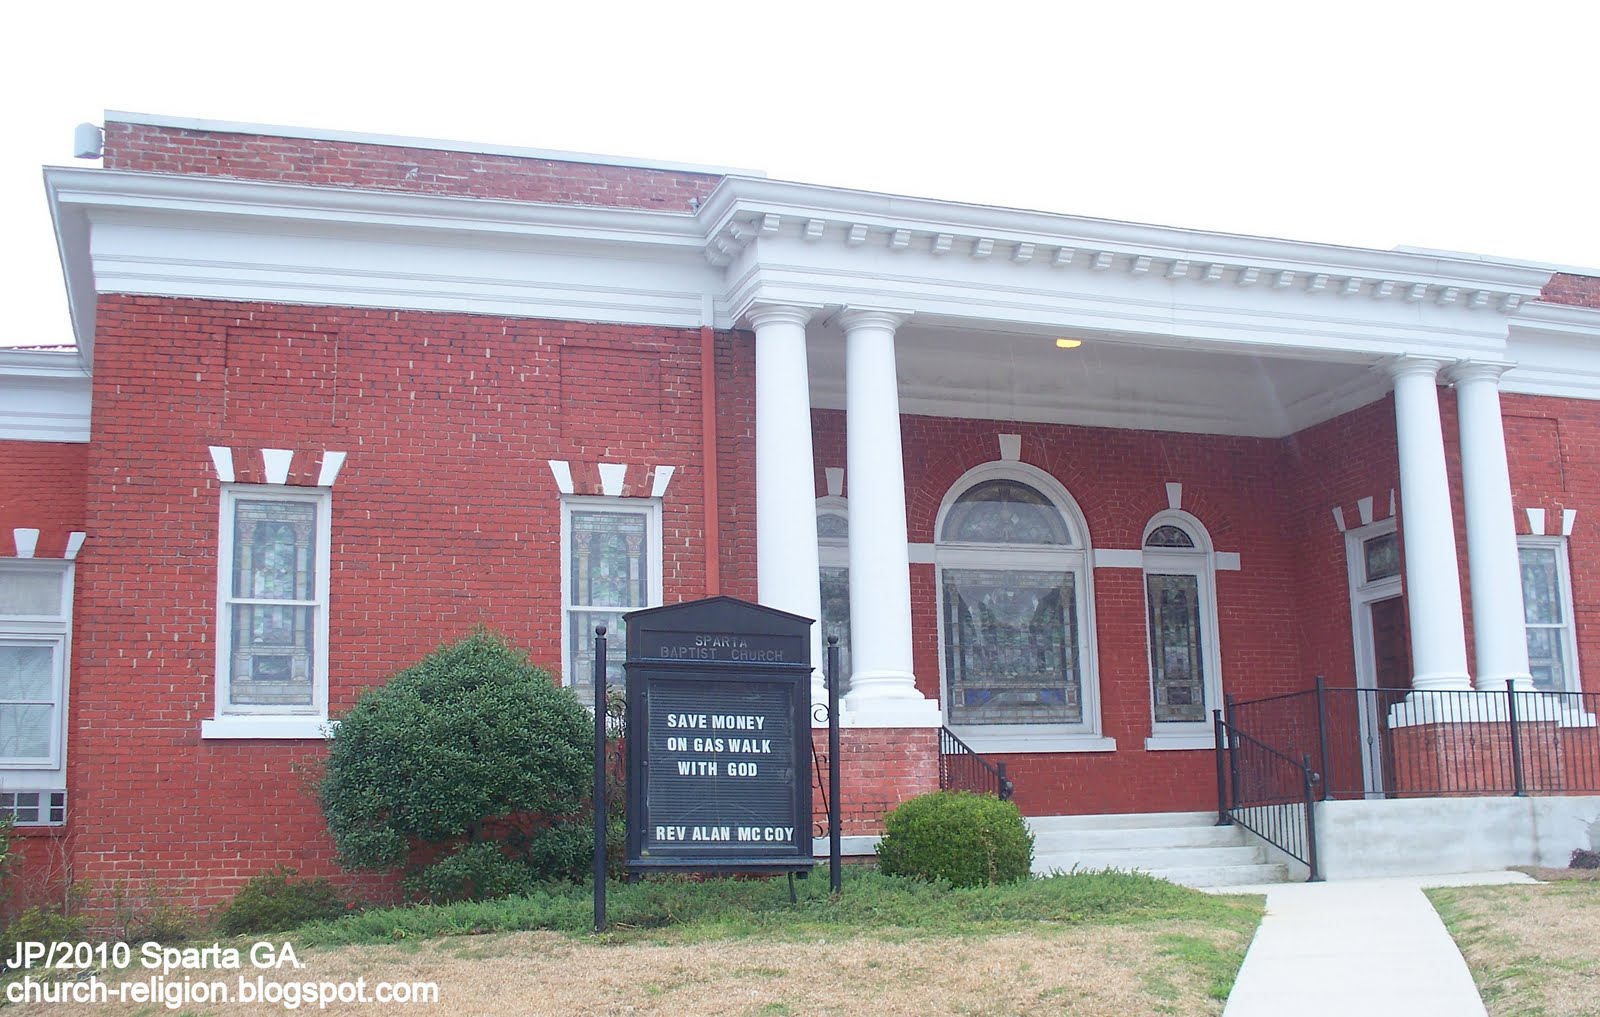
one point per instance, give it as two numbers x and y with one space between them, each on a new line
869 709
1500 682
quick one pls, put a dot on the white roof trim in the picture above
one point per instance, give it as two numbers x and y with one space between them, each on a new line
400 141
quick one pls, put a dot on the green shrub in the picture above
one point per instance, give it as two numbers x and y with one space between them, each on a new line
273 901
42 924
963 838
481 871
472 745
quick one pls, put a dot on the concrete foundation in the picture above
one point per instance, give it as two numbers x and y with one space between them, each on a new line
1421 836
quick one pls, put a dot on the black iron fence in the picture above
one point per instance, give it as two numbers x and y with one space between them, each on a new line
961 769
1396 743
1267 793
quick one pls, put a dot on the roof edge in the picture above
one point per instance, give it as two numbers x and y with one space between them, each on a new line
401 141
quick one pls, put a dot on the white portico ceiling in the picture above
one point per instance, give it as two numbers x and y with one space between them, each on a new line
1107 382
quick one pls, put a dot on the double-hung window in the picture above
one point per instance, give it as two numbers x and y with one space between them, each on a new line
35 625
611 564
1547 610
272 607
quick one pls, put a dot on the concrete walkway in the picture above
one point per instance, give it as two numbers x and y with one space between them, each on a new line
1363 947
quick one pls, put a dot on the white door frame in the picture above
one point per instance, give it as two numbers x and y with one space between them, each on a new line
1363 595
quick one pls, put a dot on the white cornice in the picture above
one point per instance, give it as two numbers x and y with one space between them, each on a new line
44 396
1075 240
397 141
1556 348
185 235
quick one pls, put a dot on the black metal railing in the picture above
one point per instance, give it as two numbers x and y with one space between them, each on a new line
961 769
1268 793
1396 743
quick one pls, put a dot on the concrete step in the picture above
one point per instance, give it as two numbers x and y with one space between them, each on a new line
1148 859
1184 847
1241 874
1138 837
1122 821
1225 875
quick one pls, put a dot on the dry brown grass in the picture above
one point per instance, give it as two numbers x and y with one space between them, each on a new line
1086 971
1533 950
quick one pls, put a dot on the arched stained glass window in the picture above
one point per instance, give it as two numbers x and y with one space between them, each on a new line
1005 512
1180 605
1168 536
1013 583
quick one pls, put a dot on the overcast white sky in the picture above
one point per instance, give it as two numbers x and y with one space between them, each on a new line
1469 126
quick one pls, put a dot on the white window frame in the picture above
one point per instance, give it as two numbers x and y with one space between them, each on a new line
1201 562
231 721
1078 559
45 778
651 509
1569 628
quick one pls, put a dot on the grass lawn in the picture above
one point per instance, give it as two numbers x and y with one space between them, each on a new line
1085 944
1533 950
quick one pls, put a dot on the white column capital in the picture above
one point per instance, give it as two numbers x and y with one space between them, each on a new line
1409 366
1468 371
761 313
853 319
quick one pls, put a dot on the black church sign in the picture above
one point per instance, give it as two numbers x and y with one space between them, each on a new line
719 738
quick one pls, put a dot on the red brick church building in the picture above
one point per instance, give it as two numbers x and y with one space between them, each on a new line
1061 485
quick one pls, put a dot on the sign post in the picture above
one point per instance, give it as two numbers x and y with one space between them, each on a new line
719 739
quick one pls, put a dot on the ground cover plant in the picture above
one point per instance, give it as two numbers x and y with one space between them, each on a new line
1534 950
1090 944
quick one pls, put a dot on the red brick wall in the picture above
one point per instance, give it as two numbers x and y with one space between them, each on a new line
1565 288
1233 485
1335 463
880 768
1554 449
445 515
41 487
147 149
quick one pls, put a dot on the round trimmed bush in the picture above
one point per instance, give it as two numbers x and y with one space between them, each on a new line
273 902
470 754
964 838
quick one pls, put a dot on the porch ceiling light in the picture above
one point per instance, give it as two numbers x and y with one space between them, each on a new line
1068 344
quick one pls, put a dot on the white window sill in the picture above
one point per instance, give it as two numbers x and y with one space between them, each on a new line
1037 742
1178 742
265 727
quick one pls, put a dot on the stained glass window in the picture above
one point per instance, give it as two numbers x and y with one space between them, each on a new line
1168 536
1382 556
1011 647
1005 512
1544 609
1177 667
836 619
609 565
833 526
273 617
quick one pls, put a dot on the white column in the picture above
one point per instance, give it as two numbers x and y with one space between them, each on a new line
787 575
1433 584
1499 635
883 691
